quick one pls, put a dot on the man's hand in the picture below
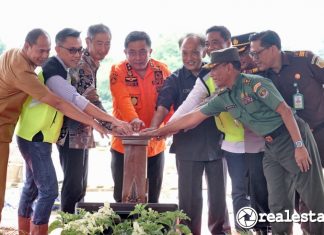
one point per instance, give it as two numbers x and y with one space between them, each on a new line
152 131
137 124
302 159
121 128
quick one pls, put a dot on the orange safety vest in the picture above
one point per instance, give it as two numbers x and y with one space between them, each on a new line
135 97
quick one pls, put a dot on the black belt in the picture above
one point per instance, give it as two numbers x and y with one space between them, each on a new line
271 136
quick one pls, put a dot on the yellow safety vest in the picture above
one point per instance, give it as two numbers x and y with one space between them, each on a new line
232 129
39 117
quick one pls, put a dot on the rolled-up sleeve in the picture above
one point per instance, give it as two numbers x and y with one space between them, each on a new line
66 91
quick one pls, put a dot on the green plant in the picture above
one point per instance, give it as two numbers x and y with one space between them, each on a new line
85 222
141 221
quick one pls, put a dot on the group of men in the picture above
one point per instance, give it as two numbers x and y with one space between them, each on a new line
70 79
240 123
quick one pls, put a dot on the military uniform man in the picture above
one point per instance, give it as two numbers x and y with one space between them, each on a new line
291 155
299 77
254 145
243 149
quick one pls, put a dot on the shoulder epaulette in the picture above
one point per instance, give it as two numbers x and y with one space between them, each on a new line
300 53
318 61
251 71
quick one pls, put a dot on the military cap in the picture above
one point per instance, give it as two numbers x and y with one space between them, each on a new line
241 42
223 56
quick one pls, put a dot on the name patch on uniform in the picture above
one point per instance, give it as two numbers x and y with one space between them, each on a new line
131 81
232 106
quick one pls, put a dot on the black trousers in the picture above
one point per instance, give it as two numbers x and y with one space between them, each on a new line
190 175
155 166
74 164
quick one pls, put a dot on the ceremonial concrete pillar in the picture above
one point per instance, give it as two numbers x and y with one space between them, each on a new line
135 185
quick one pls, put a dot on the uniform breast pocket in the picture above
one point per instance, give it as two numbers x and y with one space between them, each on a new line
136 100
251 108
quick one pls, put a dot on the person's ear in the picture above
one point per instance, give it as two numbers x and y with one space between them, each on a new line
26 46
228 43
88 41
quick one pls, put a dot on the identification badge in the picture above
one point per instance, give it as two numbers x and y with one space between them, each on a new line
298 100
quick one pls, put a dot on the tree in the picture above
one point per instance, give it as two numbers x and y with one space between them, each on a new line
103 83
167 51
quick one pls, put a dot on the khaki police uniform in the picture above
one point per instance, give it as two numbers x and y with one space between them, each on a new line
253 101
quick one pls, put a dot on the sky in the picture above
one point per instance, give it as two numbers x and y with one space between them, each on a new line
298 22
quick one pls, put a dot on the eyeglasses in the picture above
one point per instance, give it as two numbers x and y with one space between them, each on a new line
256 54
73 50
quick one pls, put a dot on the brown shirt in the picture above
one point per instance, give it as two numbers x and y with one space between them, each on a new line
17 81
306 70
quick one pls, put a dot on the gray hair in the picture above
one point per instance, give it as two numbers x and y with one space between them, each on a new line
93 30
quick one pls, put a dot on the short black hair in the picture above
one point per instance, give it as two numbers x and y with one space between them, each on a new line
193 35
93 30
34 34
224 32
65 33
267 38
137 36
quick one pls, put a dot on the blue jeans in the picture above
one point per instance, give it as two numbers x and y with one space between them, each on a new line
238 171
40 182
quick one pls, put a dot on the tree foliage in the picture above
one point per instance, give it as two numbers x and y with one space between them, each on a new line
166 49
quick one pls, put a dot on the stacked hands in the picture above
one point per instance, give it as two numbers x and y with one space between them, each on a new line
122 128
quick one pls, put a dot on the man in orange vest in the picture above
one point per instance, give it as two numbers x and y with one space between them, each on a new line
135 83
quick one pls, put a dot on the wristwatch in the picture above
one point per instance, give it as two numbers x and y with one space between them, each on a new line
299 144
